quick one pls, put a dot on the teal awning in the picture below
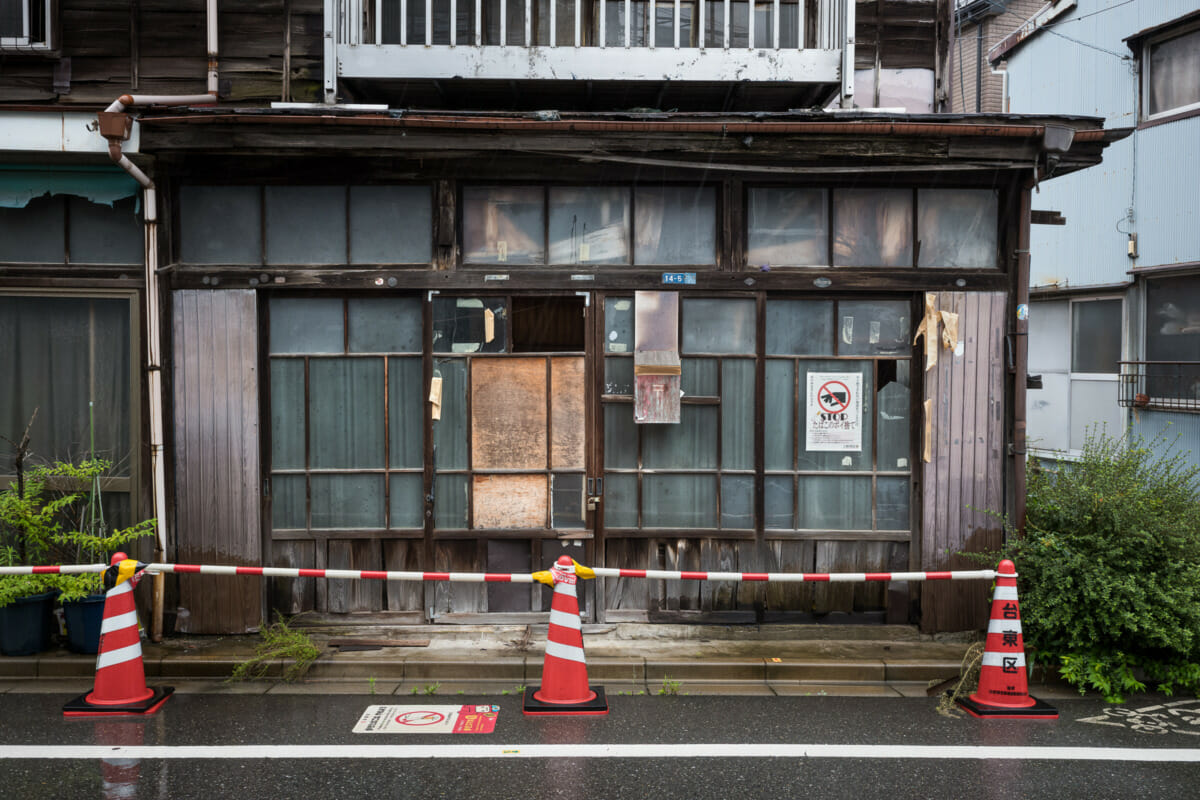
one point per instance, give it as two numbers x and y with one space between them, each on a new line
20 183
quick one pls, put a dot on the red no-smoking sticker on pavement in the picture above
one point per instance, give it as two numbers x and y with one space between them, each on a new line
833 418
428 719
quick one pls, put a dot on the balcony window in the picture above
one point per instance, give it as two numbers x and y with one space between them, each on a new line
1172 73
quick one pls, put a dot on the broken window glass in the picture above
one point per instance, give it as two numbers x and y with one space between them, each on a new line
469 325
876 327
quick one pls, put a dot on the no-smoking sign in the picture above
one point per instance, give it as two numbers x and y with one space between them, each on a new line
833 418
833 397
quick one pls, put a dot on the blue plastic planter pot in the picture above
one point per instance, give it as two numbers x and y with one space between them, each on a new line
25 625
84 618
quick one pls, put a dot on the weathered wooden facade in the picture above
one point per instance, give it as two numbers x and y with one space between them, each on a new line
440 339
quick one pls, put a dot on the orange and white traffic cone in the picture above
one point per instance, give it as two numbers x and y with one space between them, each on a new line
120 686
564 690
1003 681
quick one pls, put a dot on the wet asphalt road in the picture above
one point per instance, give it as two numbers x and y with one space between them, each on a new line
56 771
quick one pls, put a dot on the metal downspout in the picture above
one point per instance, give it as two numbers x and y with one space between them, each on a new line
1021 357
116 125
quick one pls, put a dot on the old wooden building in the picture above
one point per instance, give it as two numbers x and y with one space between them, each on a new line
464 286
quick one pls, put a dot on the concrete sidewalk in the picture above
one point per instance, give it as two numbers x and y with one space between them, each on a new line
883 661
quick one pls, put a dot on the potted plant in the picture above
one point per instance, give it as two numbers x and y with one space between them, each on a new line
45 523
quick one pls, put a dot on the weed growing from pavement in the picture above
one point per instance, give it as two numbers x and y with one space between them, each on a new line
669 687
371 685
427 689
968 682
279 642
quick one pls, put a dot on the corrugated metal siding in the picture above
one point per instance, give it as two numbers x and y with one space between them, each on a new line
217 517
1180 432
1168 175
965 477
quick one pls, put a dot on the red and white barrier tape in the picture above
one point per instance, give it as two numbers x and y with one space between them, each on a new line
492 577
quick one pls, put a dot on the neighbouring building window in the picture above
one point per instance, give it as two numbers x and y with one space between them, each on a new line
1171 66
1173 339
589 225
1075 346
69 357
306 225
68 229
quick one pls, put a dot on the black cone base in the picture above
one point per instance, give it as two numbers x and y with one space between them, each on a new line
80 707
1038 710
536 708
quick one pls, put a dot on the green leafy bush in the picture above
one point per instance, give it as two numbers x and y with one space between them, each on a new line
44 519
1110 567
280 645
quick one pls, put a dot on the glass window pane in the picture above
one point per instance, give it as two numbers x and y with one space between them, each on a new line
1096 336
872 228
406 413
57 354
503 225
737 413
614 31
894 406
306 224
788 227
450 502
699 377
450 432
876 327
391 225
958 227
737 501
620 436
620 501
675 225
780 410
1174 73
101 234
469 325
830 502
664 20
839 460
566 497
1094 406
891 504
719 326
347 501
1048 327
618 376
345 412
1173 333
406 500
287 502
385 325
220 224
692 444
800 327
589 225
618 325
777 498
307 325
33 234
679 501
287 413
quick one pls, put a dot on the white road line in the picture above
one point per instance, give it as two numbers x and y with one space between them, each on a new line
316 752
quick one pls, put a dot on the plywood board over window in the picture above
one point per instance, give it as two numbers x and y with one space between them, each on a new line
566 413
510 501
508 413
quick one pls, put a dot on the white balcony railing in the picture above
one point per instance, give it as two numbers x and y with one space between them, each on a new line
778 41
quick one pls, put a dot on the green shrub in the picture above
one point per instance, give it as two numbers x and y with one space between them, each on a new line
1110 567
279 644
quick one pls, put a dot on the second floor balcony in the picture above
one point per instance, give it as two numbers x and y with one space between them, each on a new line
806 46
